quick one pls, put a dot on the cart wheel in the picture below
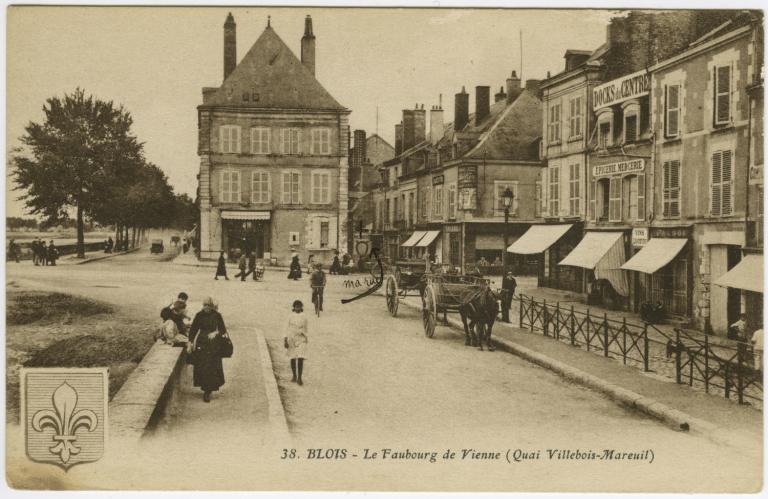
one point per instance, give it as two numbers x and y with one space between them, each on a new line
391 293
429 312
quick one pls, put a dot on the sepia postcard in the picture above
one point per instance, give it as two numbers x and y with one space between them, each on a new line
304 248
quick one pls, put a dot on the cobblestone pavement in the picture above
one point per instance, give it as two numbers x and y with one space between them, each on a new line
373 381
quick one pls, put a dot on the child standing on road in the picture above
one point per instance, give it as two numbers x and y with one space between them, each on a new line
295 340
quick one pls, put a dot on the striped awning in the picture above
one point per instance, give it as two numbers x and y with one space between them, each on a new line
746 275
538 239
656 253
428 238
415 238
245 215
591 249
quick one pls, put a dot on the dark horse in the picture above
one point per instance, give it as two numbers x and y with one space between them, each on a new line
478 314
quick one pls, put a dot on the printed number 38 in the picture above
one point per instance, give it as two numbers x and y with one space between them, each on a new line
288 454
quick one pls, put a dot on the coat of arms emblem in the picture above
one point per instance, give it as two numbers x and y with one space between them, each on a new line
64 414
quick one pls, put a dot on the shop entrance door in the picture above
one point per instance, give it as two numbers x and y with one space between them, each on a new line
244 236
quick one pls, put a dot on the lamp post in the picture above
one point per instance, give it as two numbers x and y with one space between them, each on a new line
507 197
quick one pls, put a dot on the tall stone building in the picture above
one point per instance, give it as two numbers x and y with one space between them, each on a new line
273 147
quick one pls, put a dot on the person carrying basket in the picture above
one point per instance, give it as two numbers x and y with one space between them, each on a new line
317 282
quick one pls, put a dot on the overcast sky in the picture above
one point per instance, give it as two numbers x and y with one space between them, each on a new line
155 61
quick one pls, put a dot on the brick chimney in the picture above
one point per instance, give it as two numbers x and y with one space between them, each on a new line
230 45
482 103
575 58
513 87
500 95
532 85
398 139
414 126
436 124
308 46
461 110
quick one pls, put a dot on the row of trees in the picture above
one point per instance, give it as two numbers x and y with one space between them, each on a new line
85 160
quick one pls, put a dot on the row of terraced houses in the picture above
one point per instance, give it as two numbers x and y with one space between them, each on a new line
635 172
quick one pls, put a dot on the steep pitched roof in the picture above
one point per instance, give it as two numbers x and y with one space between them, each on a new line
272 74
513 133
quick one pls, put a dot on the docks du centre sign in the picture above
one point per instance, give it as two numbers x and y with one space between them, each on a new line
621 89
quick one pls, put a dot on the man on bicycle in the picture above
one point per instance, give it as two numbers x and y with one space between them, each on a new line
317 281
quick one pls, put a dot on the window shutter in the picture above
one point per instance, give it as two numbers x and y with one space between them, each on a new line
726 181
592 188
236 139
723 94
641 197
673 110
614 200
286 194
716 183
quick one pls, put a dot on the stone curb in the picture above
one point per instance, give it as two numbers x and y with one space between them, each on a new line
673 418
277 418
140 402
104 257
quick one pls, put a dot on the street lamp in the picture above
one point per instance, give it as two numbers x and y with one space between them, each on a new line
507 197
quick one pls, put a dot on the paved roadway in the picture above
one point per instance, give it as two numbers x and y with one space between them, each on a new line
372 381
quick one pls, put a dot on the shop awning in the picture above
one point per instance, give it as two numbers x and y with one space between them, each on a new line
245 215
428 238
746 275
591 249
538 239
656 253
415 238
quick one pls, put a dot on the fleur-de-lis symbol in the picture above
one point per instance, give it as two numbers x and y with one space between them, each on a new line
65 421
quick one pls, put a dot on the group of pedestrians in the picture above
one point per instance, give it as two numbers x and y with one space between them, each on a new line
42 255
202 338
246 265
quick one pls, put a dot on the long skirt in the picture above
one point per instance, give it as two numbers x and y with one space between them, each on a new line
208 371
295 273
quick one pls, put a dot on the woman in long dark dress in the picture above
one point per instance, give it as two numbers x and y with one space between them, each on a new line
208 371
221 268
295 272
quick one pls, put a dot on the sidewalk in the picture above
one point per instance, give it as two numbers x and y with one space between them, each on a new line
92 256
720 418
578 301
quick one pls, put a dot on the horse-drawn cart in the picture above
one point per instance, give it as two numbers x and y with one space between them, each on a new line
404 276
448 292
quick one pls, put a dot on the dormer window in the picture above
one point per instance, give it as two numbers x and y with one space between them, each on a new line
604 135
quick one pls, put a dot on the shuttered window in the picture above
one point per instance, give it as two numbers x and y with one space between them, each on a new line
321 141
260 187
321 187
672 117
554 191
671 189
229 188
574 190
592 189
229 139
437 204
722 95
290 141
722 183
614 201
554 123
575 117
630 129
452 201
640 197
260 140
291 188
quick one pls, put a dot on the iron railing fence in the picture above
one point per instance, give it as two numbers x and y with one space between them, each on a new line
689 357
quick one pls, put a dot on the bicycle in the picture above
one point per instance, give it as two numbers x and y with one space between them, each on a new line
317 298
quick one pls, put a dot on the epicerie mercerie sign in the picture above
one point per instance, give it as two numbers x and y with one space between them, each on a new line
635 165
621 89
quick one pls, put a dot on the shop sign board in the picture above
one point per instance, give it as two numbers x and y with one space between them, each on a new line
621 89
639 237
620 168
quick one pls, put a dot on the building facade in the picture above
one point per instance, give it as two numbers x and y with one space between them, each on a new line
707 170
443 194
273 147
